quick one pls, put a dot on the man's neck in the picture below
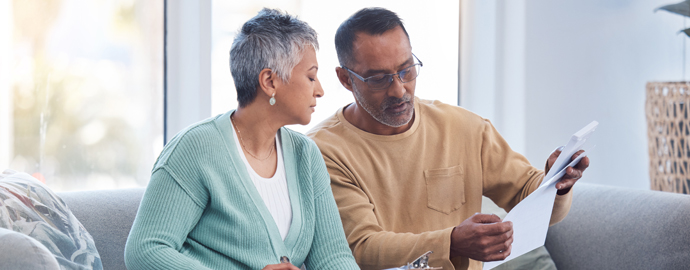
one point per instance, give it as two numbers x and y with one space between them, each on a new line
361 119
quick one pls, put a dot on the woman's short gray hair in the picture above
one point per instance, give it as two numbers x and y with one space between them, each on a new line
273 40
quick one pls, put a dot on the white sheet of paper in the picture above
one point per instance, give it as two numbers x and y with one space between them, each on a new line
574 144
530 222
531 216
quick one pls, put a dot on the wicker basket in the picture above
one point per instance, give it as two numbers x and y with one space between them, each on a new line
668 131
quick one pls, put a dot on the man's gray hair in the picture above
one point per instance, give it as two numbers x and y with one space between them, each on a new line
273 40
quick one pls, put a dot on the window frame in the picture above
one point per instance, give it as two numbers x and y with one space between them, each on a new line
187 64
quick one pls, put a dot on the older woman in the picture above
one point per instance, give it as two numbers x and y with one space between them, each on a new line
240 191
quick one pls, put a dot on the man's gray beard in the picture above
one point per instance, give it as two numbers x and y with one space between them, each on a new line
379 114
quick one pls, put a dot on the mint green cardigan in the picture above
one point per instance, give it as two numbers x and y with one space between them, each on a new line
202 211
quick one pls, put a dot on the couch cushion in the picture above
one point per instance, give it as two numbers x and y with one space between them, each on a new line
622 228
29 207
15 247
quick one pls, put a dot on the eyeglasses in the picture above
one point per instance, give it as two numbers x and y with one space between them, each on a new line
383 81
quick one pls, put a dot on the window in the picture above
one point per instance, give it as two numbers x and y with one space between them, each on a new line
82 106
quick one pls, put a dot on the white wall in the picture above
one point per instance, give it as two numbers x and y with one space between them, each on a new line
583 60
492 65
591 60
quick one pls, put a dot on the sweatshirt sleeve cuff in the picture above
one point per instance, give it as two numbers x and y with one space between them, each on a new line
441 257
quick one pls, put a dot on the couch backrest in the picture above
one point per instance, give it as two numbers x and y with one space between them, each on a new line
622 228
607 227
108 216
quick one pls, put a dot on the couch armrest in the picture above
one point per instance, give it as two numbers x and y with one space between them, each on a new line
622 228
108 216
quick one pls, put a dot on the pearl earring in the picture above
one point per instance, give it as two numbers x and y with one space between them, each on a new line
272 101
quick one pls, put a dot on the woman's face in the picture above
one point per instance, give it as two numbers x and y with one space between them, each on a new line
297 97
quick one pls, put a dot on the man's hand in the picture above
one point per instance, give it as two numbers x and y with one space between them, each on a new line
572 174
482 237
282 266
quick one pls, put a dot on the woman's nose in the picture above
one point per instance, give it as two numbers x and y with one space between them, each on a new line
318 91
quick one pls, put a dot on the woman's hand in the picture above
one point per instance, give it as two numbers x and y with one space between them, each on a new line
282 266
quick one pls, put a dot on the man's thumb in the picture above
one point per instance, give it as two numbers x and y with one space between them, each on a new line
485 218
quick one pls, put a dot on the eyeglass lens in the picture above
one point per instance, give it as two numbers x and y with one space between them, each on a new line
405 75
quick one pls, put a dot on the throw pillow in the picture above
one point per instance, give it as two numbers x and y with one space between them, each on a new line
29 207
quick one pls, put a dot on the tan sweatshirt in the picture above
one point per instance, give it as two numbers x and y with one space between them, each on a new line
401 195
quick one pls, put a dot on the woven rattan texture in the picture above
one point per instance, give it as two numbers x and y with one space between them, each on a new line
668 132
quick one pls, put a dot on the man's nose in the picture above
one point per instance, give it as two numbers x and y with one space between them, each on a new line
397 88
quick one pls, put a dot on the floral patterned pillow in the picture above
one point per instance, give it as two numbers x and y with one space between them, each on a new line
29 207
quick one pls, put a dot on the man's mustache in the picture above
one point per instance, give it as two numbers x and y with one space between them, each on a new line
394 101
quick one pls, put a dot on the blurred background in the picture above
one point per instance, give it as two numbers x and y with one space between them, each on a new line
85 102
82 91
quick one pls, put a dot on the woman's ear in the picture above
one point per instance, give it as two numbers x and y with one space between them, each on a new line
344 78
267 81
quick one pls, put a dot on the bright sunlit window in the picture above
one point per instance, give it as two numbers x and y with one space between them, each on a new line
433 28
82 103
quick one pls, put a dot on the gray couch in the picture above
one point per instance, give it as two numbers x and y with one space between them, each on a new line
618 228
108 216
607 228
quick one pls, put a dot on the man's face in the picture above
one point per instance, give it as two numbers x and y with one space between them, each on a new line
384 54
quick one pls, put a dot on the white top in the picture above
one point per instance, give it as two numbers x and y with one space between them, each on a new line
274 190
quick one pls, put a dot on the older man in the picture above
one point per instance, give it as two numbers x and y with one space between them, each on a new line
407 174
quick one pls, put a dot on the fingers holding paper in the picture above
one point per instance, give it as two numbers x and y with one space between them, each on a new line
572 174
482 237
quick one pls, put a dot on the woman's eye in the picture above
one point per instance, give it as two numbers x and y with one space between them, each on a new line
312 79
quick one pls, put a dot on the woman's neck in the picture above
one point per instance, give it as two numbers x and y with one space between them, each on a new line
256 129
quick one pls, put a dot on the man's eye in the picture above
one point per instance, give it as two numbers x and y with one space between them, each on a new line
378 79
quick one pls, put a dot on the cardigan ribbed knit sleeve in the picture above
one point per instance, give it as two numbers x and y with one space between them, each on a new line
329 249
161 227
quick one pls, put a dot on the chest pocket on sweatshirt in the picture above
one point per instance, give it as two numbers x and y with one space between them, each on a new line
445 189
